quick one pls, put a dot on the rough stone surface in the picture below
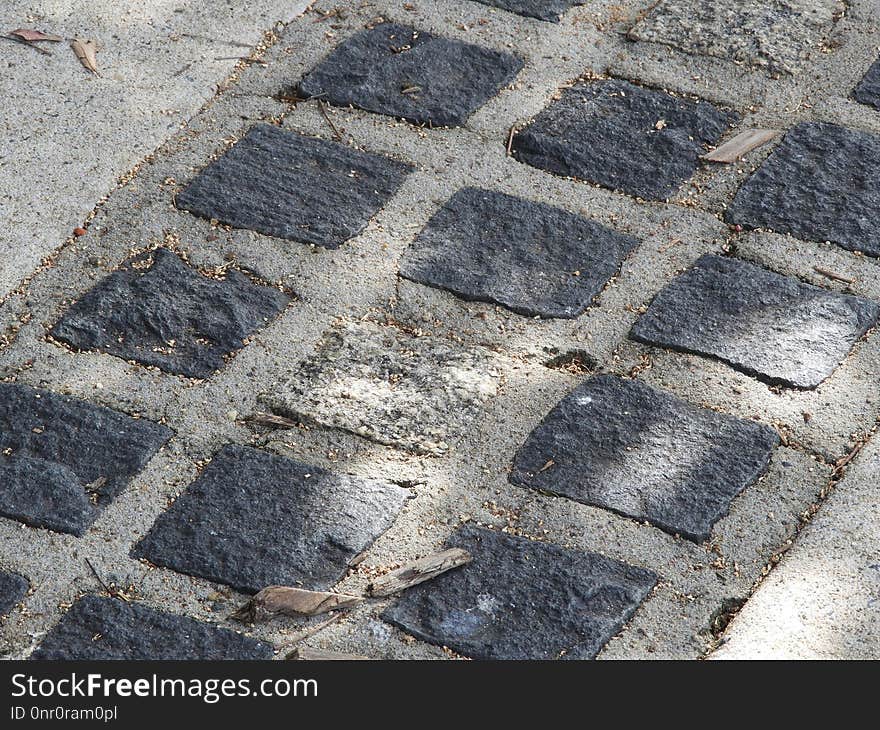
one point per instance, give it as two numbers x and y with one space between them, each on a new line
63 460
798 189
779 35
399 71
169 315
868 89
624 446
529 257
771 326
13 588
301 188
625 137
550 10
415 393
97 628
252 520
823 599
521 599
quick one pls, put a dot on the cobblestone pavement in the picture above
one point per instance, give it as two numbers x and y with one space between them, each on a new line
469 256
72 135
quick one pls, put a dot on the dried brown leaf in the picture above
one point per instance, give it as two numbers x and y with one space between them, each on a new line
86 51
418 571
292 602
32 36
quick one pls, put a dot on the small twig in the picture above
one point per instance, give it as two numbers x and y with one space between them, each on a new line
330 121
23 42
326 14
270 419
243 59
510 137
311 631
196 36
110 591
831 275
844 461
673 242
308 654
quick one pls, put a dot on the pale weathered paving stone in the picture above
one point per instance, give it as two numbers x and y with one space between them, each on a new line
771 326
624 446
529 257
521 599
402 72
286 185
252 520
820 184
415 393
13 588
63 460
779 35
550 10
97 628
868 89
169 315
640 141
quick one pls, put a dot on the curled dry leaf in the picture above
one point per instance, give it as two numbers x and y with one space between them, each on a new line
292 602
418 571
32 36
86 51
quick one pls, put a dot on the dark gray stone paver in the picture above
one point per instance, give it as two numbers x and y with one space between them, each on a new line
868 89
624 446
169 315
252 519
779 35
521 599
97 628
549 10
640 141
820 183
529 257
300 188
62 460
407 73
771 326
13 588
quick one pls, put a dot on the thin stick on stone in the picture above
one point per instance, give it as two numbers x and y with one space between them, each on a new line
336 132
289 601
740 145
418 571
310 631
270 419
305 653
831 275
510 137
